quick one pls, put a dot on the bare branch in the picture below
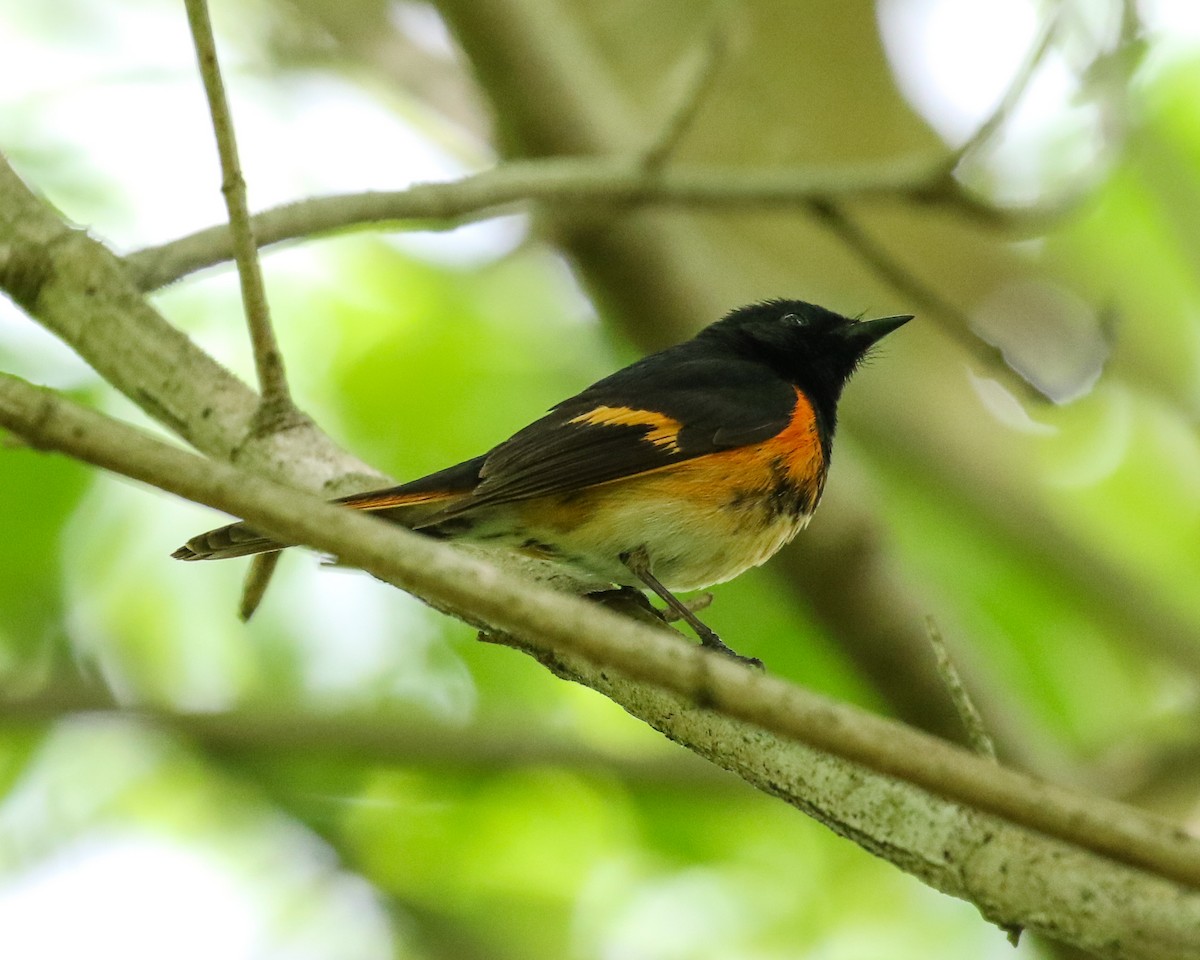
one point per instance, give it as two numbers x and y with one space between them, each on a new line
272 379
258 578
577 185
1026 852
589 186
373 735
1016 90
707 59
81 292
977 735
560 627
953 321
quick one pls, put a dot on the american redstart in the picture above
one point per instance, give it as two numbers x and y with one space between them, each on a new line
675 473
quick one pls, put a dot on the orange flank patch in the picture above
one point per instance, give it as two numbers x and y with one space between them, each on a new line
716 478
795 450
799 445
663 432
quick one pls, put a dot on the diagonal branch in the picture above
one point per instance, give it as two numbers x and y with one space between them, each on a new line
977 735
1016 90
81 292
591 187
706 61
1020 850
953 322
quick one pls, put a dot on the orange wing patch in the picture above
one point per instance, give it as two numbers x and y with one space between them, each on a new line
709 480
663 432
711 516
794 453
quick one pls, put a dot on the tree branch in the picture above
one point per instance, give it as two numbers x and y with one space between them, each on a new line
977 735
82 292
953 322
1016 90
584 185
1024 841
576 184
272 379
964 864
375 736
704 63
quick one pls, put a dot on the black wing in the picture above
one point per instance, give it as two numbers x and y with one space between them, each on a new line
661 410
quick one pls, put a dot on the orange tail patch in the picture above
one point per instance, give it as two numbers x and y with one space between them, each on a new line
386 499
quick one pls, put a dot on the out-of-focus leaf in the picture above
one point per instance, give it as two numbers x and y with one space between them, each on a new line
17 746
39 494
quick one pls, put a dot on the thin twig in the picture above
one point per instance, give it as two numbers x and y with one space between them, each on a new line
276 411
258 578
977 735
712 51
1016 90
272 378
950 318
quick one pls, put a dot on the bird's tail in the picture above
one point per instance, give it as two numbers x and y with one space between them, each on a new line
408 508
224 543
410 504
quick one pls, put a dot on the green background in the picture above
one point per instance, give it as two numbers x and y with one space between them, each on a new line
352 775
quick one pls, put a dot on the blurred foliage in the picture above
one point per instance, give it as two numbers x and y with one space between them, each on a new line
31 610
597 839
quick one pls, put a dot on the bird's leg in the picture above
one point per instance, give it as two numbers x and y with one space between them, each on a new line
697 603
639 565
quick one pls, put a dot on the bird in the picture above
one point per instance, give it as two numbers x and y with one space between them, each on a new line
675 473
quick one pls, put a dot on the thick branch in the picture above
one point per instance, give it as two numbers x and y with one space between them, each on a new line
989 854
83 293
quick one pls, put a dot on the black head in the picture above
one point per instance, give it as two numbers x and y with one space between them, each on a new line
812 347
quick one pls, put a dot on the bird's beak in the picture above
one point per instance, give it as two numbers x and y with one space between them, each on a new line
866 332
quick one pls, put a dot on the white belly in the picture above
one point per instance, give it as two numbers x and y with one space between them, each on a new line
686 552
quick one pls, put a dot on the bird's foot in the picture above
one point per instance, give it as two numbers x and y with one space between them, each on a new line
711 641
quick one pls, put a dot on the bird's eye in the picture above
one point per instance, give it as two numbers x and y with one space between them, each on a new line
793 319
